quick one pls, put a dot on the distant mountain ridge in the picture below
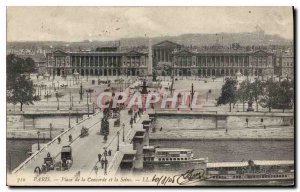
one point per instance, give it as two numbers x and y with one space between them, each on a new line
244 39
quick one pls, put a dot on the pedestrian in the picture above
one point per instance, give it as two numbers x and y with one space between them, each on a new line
160 129
44 168
70 138
153 130
96 169
109 152
102 163
77 175
131 122
99 157
226 130
58 139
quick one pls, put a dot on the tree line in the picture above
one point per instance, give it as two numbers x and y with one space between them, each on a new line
19 86
268 94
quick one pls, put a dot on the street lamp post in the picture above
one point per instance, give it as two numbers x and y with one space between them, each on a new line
118 144
87 98
192 95
69 119
88 110
77 116
38 134
105 161
47 96
207 96
57 97
90 95
70 100
123 132
51 131
81 92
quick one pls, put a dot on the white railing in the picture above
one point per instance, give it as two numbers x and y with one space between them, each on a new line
37 153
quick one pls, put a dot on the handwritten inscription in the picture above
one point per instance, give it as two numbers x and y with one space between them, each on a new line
188 177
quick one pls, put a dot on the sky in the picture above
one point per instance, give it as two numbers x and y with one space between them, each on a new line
110 23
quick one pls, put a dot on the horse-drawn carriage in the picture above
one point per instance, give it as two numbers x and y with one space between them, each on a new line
84 132
49 163
59 94
48 95
117 123
66 159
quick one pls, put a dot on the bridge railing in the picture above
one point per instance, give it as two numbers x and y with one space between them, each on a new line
188 111
184 110
81 110
38 153
115 162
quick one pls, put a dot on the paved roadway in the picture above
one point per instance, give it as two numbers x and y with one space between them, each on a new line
85 153
55 148
84 150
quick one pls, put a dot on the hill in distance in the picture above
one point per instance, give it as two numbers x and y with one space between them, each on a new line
244 39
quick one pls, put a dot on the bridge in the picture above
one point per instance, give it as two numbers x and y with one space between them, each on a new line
85 150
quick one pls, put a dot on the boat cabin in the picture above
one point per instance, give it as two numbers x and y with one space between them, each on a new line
167 154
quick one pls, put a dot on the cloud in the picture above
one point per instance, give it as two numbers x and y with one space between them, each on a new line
99 23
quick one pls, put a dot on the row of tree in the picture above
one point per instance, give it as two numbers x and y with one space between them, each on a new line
19 86
268 94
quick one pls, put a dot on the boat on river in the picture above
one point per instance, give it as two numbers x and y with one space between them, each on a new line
252 170
157 155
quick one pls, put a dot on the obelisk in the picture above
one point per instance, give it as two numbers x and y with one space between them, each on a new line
150 58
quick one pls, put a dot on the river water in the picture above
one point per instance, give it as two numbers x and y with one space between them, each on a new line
235 150
17 151
222 151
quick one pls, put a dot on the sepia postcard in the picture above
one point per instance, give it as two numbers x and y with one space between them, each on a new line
150 96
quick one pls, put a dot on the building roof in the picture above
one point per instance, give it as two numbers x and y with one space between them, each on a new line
167 43
184 52
66 149
172 149
133 52
96 53
220 51
245 163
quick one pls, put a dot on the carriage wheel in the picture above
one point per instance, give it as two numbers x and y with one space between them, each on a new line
37 170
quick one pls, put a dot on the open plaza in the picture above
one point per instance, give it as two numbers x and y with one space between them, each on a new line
79 98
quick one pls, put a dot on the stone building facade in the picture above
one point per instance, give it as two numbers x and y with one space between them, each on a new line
219 63
168 58
182 61
131 63
285 64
